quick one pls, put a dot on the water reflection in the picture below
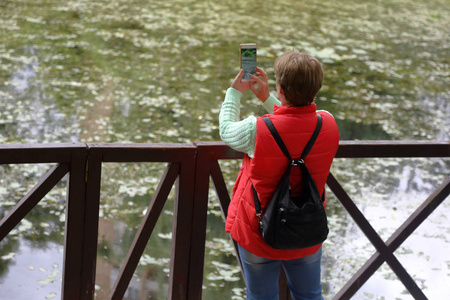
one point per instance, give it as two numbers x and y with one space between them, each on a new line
386 209
20 79
142 286
33 273
31 113
131 190
155 71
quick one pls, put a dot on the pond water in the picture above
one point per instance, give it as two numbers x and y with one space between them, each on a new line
156 71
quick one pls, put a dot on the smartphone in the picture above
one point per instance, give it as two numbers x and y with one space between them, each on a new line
248 61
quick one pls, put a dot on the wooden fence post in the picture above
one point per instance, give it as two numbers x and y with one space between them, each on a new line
91 219
181 235
74 236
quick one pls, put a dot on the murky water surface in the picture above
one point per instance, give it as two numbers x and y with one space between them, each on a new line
156 71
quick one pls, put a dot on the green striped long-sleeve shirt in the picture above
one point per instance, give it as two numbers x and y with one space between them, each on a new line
240 134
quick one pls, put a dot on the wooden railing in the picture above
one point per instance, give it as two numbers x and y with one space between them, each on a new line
190 166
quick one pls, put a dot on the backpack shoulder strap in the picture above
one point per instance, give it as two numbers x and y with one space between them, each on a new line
283 148
281 144
313 137
256 201
277 137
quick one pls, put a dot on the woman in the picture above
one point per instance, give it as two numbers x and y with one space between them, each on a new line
298 79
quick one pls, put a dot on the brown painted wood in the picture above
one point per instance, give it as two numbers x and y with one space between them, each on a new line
224 200
72 287
32 198
199 220
142 152
190 206
354 149
182 231
220 150
144 232
39 153
91 220
419 215
220 188
385 253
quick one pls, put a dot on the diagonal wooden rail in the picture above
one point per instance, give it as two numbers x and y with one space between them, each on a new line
181 167
145 230
32 198
69 159
385 251
189 167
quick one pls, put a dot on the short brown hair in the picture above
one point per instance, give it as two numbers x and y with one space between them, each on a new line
300 77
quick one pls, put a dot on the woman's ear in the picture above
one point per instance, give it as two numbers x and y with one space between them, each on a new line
280 96
279 89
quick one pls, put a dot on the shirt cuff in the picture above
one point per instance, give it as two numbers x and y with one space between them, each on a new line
233 95
270 102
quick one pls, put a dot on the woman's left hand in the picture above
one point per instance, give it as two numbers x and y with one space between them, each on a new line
260 87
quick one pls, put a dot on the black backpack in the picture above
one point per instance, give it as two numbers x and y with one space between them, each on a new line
293 223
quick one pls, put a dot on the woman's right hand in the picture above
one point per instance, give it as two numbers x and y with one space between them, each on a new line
238 85
260 87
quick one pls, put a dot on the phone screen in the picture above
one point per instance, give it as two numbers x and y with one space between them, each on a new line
248 61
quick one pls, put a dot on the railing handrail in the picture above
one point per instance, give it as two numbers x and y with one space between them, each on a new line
361 149
61 152
84 161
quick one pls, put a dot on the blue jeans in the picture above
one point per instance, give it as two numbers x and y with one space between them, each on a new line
261 276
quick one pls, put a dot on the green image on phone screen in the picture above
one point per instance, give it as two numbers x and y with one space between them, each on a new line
248 62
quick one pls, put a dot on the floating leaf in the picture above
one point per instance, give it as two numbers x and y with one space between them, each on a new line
8 256
51 296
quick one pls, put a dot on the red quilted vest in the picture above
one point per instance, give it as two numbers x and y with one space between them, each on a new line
295 126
